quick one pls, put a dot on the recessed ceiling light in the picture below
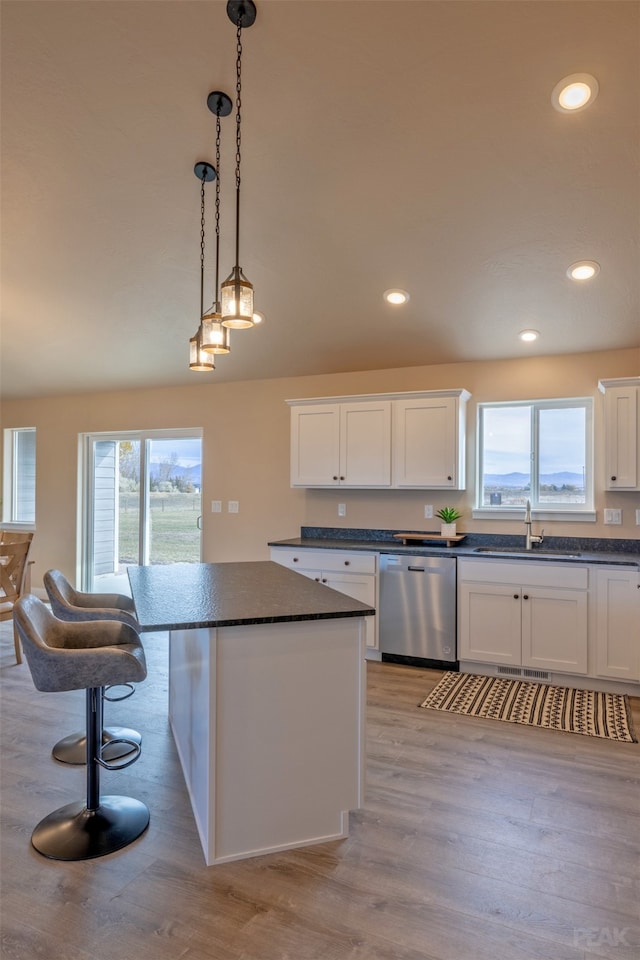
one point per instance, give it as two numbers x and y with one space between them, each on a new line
583 270
575 92
396 296
528 335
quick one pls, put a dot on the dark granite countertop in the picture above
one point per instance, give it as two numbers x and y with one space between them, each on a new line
185 595
554 549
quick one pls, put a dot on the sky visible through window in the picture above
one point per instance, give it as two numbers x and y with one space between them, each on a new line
508 454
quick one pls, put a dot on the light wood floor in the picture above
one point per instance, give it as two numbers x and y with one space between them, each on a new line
478 840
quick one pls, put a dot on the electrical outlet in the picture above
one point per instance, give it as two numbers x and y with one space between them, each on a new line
233 506
216 506
428 511
613 516
342 509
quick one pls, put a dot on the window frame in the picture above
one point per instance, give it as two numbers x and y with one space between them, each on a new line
13 488
542 511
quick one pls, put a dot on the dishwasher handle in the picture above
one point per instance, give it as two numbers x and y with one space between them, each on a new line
416 569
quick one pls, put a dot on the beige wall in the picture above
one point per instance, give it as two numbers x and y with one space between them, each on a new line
246 451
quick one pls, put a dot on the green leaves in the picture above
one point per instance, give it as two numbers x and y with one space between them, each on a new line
448 514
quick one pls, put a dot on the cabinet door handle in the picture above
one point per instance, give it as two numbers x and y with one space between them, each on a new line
295 559
449 478
335 478
347 563
317 579
343 478
324 579
614 478
525 596
516 596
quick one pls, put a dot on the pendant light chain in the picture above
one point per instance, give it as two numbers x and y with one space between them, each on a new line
217 290
202 183
238 132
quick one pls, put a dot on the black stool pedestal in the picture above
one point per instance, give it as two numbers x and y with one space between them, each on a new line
76 833
102 825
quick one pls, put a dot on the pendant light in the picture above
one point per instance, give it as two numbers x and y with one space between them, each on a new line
236 293
215 337
199 360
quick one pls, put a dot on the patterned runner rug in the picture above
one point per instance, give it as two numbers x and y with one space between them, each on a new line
590 712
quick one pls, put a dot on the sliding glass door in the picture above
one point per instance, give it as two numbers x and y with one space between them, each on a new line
141 504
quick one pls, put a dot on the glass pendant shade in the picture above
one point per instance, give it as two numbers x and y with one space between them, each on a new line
199 361
236 297
215 337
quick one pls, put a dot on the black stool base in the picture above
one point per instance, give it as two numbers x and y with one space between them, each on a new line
75 833
73 749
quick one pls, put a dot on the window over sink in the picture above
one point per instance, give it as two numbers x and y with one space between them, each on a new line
536 450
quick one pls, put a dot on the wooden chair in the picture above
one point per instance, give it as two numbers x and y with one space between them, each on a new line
15 536
14 557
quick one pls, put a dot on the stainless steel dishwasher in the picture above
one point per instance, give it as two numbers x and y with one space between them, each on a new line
417 610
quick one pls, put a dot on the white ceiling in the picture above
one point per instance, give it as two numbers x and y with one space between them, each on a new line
385 144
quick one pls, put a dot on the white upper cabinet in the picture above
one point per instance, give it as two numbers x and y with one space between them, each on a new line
621 436
429 441
315 445
341 444
365 440
389 440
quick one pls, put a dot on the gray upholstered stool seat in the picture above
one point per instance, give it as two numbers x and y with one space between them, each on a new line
73 656
73 605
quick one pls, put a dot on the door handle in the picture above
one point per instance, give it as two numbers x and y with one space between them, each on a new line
199 522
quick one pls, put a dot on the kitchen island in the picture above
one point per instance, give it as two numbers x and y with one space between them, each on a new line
266 700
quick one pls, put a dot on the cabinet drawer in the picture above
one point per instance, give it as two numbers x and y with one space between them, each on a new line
332 561
536 573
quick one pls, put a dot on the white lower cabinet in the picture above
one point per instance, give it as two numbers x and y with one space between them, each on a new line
351 573
521 614
617 647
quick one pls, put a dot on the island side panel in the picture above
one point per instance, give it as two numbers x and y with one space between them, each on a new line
191 656
289 716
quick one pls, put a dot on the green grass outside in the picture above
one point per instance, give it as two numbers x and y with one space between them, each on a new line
174 536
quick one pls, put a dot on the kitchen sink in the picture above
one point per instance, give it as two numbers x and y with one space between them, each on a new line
527 553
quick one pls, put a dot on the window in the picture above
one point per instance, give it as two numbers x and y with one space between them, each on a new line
537 450
19 501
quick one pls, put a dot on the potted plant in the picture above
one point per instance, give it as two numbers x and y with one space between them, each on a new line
448 516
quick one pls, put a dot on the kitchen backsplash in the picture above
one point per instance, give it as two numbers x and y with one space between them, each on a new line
605 544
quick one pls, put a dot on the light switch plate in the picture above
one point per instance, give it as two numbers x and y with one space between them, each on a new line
428 511
233 506
216 506
613 516
342 509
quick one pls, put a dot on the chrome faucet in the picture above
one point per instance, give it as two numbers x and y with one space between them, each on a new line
531 538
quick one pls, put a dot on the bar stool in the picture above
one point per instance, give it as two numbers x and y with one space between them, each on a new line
72 605
75 656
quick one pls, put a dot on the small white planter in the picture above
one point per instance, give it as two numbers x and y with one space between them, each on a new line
447 529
